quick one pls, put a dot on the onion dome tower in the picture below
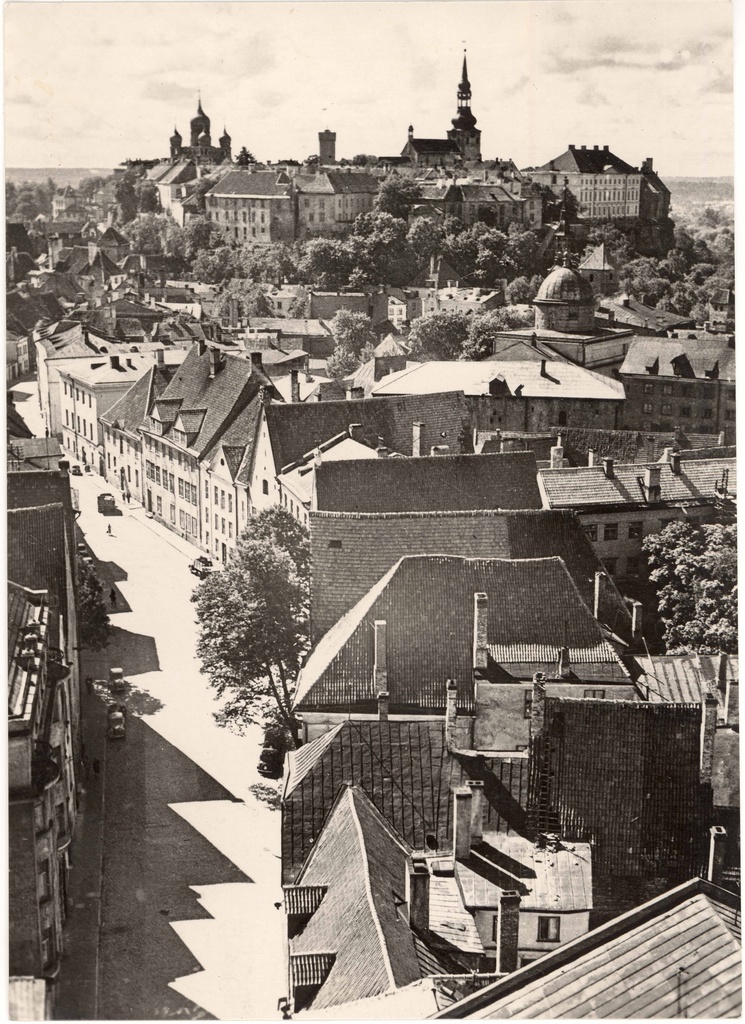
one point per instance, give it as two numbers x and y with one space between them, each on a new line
200 125
565 301
176 143
226 144
464 131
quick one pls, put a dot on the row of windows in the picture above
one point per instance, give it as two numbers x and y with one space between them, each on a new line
610 530
160 448
78 393
701 390
86 429
219 497
684 411
220 525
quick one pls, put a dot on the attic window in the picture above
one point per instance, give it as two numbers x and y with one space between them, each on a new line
335 544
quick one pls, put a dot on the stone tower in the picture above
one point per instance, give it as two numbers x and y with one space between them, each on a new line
326 148
565 301
464 132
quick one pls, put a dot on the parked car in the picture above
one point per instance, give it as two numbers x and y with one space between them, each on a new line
76 471
106 504
116 728
201 567
271 762
117 682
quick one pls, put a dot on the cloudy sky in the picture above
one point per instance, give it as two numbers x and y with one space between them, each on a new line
88 84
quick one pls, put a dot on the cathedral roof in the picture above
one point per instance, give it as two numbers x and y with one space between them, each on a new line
565 284
201 121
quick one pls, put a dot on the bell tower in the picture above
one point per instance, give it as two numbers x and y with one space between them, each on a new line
464 132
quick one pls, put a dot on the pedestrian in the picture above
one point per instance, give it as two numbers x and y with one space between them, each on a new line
89 685
96 766
108 530
112 597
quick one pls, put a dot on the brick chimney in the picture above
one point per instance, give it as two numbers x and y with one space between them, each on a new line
652 490
355 394
480 632
256 361
416 439
215 361
451 714
160 357
675 463
507 928
557 455
384 704
565 666
477 809
380 668
590 457
417 894
636 620
462 802
608 468
599 577
708 730
355 431
717 842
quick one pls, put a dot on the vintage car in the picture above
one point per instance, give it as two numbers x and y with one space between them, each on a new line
271 762
76 471
116 727
201 567
117 682
107 505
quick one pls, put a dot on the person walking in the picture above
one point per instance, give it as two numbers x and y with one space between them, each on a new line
89 685
112 597
108 530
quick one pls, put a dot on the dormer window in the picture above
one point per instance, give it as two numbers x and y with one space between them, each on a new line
179 437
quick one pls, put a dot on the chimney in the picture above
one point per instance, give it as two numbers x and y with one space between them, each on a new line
294 386
675 463
477 809
565 666
649 445
417 894
451 713
384 704
717 840
667 455
708 730
636 620
416 439
440 449
557 455
201 347
355 431
652 490
538 706
720 439
214 361
608 468
543 368
256 361
723 686
590 457
63 466
114 360
534 340
599 576
411 131
506 931
462 822
480 631
382 452
160 357
355 394
380 667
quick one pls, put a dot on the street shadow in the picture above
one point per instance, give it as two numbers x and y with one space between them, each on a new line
136 653
109 573
140 703
153 857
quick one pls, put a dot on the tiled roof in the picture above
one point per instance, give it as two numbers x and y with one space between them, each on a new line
681 678
519 349
287 327
24 454
628 445
552 379
37 551
178 174
441 483
351 552
587 486
672 957
598 259
433 146
625 777
15 424
23 312
633 312
129 412
112 237
427 601
257 183
407 772
294 428
239 440
363 865
588 161
680 357
222 396
24 607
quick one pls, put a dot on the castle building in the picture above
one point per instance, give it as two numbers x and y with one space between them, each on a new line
200 148
463 142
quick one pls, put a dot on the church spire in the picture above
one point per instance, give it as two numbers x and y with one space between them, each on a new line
464 119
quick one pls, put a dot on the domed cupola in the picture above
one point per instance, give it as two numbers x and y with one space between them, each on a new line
176 137
565 301
464 120
200 125
225 138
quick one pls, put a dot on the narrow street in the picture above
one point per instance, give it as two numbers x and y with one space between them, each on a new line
188 853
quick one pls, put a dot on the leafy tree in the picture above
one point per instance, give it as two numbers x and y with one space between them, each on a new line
617 244
523 252
326 262
126 196
146 234
245 158
95 627
352 331
212 267
250 298
364 160
483 329
694 569
439 336
519 291
425 237
342 363
380 252
148 200
90 185
253 620
312 160
396 196
197 235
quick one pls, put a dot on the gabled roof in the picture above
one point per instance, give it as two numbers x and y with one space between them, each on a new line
680 357
631 445
352 183
272 184
598 259
309 328
598 160
587 486
129 412
112 237
427 602
676 956
631 311
26 454
437 146
446 483
37 550
362 863
24 311
526 379
294 428
407 772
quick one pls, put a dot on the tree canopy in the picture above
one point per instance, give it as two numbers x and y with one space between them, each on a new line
95 626
694 569
253 620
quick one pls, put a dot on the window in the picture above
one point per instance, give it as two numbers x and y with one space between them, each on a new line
180 487
181 518
335 545
633 566
222 499
230 502
597 695
157 473
222 526
216 496
67 418
172 513
230 529
729 414
61 816
610 564
685 411
549 929
129 475
647 407
635 530
47 947
562 417
43 882
649 389
217 523
193 526
610 531
667 389
159 505
591 530
264 486
207 489
707 414
667 409
137 478
527 703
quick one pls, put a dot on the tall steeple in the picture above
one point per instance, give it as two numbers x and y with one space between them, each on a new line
464 131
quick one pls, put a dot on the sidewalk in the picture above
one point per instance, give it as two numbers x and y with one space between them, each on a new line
77 987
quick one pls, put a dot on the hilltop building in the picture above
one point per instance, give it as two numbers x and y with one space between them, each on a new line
463 142
200 146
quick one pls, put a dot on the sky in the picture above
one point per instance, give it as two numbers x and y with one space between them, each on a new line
90 84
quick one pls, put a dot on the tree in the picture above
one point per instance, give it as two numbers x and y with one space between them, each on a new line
197 235
364 160
90 185
523 252
148 200
694 569
396 196
425 237
380 252
126 196
250 298
253 620
519 291
352 331
215 267
245 158
342 363
95 627
146 234
326 262
439 336
483 330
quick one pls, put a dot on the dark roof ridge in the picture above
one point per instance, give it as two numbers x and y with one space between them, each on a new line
477 512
